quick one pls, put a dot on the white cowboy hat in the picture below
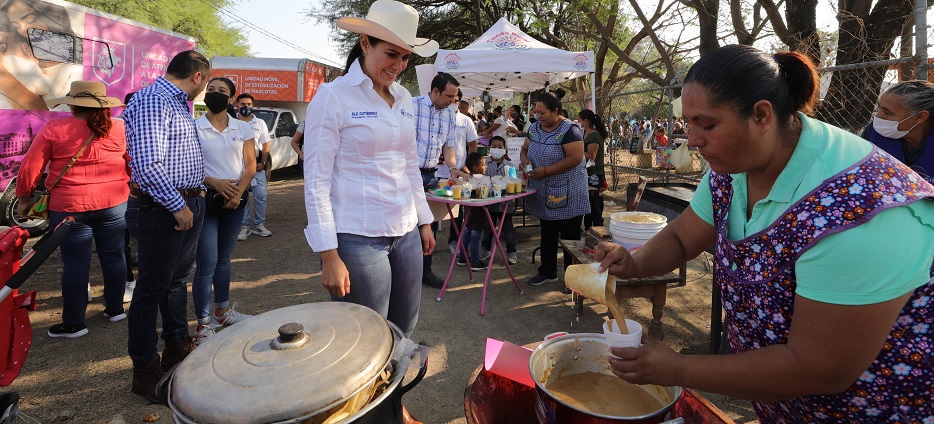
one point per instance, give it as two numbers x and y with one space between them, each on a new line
392 22
88 94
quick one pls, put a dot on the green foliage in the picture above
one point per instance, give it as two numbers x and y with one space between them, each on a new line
195 18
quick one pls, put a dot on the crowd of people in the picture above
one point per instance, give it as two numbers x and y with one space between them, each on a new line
828 313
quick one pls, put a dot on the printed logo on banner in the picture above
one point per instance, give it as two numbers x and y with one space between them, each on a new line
234 78
452 60
109 66
580 61
510 41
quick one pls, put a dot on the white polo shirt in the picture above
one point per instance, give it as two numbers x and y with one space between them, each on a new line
260 133
223 150
361 163
464 132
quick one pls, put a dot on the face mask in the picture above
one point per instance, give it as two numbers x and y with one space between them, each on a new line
497 153
246 111
889 129
216 102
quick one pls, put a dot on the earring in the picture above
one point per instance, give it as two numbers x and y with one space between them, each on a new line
364 53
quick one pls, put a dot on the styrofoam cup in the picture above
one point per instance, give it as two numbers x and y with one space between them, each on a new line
615 339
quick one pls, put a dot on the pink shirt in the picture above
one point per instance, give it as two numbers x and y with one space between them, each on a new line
98 180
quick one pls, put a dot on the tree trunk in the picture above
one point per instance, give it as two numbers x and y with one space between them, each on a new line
707 19
865 36
906 71
801 16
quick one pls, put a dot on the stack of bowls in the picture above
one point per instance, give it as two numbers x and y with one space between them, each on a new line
632 229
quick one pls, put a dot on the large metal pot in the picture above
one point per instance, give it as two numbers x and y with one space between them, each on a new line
575 354
315 363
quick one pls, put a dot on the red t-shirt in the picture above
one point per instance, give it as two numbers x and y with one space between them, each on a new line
661 140
98 180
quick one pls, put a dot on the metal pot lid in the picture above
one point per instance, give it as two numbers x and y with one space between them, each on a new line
250 373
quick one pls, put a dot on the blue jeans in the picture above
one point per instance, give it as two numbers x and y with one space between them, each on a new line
215 246
259 201
509 233
473 237
107 228
166 259
384 275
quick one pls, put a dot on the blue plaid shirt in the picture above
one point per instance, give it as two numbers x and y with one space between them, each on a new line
162 140
434 128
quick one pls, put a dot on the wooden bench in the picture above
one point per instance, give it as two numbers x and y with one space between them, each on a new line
653 288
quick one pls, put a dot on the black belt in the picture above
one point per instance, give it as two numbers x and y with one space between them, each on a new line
427 170
185 192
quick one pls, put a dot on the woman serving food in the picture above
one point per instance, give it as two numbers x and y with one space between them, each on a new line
829 315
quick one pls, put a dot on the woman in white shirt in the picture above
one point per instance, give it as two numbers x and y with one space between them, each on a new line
367 213
229 165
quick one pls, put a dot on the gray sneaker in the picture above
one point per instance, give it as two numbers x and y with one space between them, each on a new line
244 233
512 258
261 231
484 254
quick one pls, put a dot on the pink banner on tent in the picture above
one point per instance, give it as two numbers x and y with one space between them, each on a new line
135 61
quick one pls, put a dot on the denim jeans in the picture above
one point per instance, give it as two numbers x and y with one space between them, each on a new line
106 227
509 233
429 182
473 237
215 246
166 259
384 275
259 201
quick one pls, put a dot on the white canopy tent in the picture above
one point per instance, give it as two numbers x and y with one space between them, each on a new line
505 59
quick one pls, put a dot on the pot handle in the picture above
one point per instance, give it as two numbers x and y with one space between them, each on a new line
423 351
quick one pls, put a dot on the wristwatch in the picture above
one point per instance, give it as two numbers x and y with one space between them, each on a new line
453 168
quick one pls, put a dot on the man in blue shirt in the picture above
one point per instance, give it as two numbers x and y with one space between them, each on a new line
168 185
435 132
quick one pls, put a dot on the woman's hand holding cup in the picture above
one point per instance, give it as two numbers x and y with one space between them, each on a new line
614 258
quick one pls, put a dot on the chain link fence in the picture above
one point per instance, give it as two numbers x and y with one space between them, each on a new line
848 98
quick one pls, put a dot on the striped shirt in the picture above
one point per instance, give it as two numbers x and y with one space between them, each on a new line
162 140
434 128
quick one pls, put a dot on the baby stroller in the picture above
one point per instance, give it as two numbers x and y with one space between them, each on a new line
15 329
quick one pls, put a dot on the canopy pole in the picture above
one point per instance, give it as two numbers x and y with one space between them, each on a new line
593 92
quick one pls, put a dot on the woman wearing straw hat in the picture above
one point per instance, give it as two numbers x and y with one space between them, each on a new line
367 213
88 173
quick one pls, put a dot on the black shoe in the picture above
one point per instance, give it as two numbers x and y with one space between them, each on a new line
68 331
461 261
9 407
145 380
176 352
432 280
540 279
477 266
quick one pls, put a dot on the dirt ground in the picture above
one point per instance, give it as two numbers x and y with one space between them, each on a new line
87 380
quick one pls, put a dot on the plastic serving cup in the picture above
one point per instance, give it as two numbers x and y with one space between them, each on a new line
615 339
442 182
498 190
484 191
511 187
519 186
456 191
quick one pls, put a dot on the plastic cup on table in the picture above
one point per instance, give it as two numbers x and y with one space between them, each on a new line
615 339
519 186
511 187
456 191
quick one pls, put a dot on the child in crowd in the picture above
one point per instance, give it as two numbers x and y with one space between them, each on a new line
476 222
496 165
